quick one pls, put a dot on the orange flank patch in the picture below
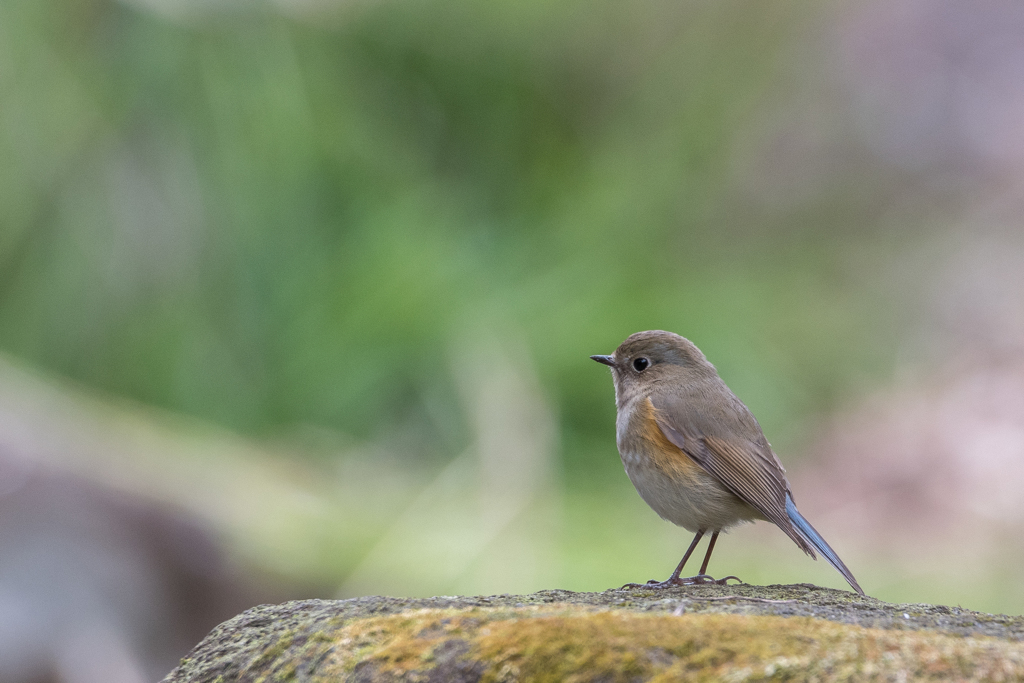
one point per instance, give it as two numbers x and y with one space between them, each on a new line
664 454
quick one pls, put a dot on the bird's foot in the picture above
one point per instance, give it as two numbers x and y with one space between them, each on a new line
707 578
697 580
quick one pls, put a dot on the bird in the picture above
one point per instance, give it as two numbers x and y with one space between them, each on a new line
695 452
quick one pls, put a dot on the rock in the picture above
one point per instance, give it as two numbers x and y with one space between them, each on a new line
707 632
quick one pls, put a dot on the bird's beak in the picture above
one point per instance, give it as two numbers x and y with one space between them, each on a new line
607 360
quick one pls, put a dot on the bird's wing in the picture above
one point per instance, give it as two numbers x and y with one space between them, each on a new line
748 468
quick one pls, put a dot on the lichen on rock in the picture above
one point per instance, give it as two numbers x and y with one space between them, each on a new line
689 633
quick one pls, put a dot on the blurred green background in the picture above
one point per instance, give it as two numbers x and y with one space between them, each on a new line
325 276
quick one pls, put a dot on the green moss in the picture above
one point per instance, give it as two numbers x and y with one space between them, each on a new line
693 633
269 655
542 645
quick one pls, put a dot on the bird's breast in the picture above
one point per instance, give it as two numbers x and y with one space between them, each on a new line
640 440
668 480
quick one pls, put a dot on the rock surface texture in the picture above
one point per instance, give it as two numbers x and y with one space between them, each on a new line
693 633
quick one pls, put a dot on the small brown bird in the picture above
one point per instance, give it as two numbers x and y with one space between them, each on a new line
695 453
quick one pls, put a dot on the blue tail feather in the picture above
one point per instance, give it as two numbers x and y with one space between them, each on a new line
808 532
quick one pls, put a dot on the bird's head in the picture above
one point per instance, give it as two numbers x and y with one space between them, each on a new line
648 358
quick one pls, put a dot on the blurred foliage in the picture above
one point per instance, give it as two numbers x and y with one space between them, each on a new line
274 220
315 223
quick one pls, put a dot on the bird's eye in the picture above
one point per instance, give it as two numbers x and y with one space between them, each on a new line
640 364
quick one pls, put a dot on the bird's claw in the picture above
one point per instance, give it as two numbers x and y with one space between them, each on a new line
706 578
699 579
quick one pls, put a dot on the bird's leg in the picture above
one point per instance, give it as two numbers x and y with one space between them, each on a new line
703 577
707 556
700 578
689 551
673 580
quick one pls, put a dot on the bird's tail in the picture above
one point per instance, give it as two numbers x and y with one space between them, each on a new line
804 528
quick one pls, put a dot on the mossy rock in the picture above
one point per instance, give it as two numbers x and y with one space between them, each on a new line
694 633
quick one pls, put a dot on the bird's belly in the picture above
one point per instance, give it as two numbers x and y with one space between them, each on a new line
690 498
